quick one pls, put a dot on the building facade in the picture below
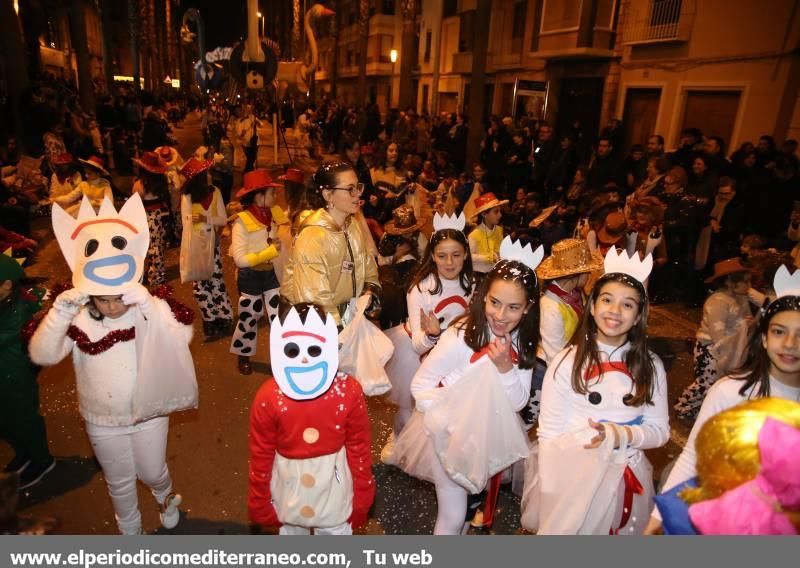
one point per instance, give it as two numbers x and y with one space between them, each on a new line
728 67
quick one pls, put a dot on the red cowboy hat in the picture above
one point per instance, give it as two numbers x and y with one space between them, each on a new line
256 180
194 166
152 163
63 159
293 175
96 163
487 201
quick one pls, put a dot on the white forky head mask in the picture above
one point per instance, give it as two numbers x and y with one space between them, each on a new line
104 250
304 356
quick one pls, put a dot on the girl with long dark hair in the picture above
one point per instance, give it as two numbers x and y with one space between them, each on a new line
772 369
438 293
496 340
606 391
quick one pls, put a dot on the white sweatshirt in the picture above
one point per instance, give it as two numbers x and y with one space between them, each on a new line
565 411
447 305
105 381
450 359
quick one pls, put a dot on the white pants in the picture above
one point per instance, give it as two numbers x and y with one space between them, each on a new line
294 530
129 452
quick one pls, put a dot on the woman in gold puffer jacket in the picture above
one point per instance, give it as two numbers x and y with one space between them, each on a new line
330 261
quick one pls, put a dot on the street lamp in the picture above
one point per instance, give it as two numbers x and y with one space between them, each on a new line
393 59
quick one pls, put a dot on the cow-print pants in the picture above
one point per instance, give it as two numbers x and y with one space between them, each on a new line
705 375
212 295
251 310
159 223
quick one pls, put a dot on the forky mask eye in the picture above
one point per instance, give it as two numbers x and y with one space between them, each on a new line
104 250
304 356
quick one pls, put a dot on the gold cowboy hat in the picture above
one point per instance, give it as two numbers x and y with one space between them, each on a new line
569 257
404 221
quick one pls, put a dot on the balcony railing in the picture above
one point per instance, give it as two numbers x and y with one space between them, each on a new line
654 21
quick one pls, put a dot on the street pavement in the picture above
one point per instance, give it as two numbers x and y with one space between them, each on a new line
207 451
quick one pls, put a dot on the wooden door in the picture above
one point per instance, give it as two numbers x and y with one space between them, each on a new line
713 112
639 116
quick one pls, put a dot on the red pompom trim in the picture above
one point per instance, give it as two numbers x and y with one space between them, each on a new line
183 313
102 345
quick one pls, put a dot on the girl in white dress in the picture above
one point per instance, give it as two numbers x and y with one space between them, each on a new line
604 400
438 293
471 386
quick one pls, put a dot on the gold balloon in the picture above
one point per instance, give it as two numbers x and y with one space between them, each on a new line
727 445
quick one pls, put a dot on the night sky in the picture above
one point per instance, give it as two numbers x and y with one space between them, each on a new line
225 20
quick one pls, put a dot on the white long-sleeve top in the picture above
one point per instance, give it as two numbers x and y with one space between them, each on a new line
565 411
724 394
448 362
105 381
447 305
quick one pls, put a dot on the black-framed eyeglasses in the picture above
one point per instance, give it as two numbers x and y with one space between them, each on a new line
355 190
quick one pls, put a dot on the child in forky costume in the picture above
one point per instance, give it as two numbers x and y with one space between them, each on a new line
588 474
254 246
436 296
130 351
470 388
566 272
310 465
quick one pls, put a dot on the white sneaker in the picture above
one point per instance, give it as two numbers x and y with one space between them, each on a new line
170 514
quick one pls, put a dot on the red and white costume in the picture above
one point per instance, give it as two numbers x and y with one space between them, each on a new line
310 462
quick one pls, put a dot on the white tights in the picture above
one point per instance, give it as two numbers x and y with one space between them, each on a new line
129 452
451 500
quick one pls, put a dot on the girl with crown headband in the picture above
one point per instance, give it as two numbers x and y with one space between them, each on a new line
483 363
130 351
772 369
438 293
604 400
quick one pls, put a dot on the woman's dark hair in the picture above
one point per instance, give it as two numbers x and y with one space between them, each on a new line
155 184
91 307
662 164
325 177
428 266
380 157
476 327
197 188
638 358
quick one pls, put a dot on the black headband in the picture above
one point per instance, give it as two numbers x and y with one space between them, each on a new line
783 304
624 279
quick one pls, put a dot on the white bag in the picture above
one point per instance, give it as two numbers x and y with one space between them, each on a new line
197 247
569 489
365 350
473 428
165 380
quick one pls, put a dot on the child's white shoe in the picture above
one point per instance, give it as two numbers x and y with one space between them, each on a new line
170 514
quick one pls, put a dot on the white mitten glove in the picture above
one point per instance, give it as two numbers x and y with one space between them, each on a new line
138 295
70 302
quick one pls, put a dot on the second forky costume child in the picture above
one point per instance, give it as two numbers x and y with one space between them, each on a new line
253 249
310 464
